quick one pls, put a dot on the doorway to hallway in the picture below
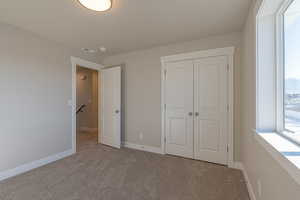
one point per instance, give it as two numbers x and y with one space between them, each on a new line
96 105
87 98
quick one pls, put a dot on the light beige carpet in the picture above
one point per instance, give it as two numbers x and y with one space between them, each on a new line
98 172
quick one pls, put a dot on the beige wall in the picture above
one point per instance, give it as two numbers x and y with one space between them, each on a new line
276 182
142 85
35 86
87 93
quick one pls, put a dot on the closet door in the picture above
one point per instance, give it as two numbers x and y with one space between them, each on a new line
179 108
210 101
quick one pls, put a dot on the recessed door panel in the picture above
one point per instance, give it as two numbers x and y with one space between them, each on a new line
210 142
177 127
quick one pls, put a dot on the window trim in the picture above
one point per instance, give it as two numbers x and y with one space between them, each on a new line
280 65
279 32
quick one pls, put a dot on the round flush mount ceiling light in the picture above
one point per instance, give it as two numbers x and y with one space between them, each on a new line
96 5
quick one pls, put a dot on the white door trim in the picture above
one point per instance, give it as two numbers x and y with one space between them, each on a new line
229 52
78 61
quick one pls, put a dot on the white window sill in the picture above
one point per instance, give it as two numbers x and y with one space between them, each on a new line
283 151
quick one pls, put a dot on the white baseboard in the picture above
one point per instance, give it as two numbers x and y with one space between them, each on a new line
35 164
142 147
240 166
87 129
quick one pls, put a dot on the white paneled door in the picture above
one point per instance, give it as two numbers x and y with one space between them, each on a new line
210 107
196 114
179 108
110 133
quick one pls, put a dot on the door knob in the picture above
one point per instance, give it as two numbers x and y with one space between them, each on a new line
190 113
117 111
196 114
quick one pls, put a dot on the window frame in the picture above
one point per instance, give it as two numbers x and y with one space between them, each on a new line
280 71
269 65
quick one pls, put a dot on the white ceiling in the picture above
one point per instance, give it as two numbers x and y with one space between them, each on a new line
129 25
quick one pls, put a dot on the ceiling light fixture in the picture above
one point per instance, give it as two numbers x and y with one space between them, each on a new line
96 5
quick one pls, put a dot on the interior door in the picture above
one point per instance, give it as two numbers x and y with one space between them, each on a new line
179 108
210 105
111 107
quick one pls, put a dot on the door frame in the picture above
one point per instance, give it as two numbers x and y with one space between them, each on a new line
90 65
229 53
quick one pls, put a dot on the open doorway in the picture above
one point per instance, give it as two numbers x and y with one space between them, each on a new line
87 109
96 105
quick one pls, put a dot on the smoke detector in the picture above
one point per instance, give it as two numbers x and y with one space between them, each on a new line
87 50
102 49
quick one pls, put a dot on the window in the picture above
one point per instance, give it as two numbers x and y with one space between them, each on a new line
291 71
278 82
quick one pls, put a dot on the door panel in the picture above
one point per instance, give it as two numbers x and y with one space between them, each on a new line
111 107
179 103
210 141
210 101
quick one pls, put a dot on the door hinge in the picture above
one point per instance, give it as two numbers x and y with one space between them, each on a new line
227 149
227 67
227 108
165 139
165 73
165 106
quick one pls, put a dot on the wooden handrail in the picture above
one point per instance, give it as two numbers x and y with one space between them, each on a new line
80 109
